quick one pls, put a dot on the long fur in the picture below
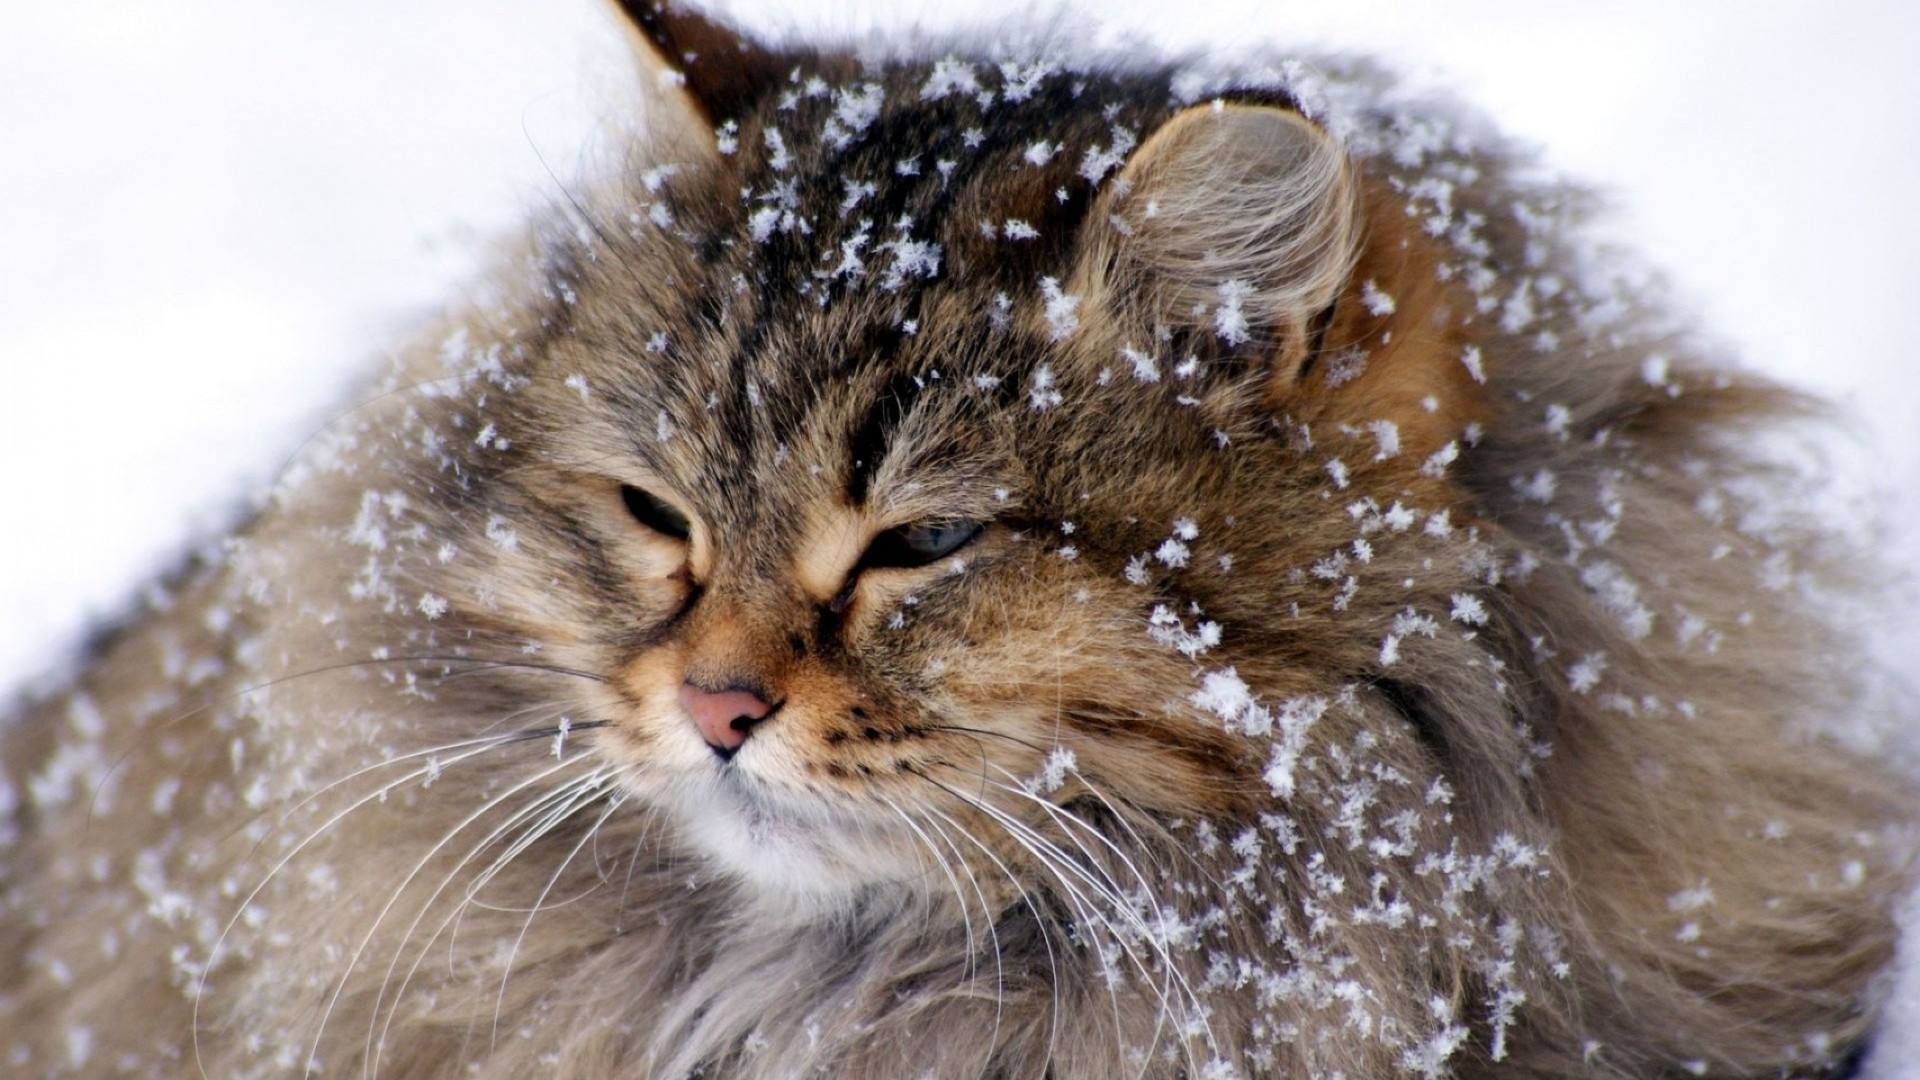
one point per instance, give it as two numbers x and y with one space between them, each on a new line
1389 650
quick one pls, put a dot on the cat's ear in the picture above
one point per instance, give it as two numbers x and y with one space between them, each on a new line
1235 220
705 71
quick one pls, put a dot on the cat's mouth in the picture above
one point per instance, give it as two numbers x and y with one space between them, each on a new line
788 843
766 818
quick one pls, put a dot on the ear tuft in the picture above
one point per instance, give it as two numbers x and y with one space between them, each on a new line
716 72
1238 218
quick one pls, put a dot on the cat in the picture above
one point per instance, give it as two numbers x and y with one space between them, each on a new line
976 564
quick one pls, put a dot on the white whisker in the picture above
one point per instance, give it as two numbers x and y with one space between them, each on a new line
535 807
1146 893
1041 922
240 910
1066 871
506 973
394 898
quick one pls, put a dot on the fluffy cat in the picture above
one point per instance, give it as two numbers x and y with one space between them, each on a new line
977 566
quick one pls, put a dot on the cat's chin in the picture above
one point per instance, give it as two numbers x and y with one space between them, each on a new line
808 860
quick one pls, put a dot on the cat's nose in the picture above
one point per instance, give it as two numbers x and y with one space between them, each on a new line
724 717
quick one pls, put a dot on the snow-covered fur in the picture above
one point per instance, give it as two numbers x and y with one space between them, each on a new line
1241 593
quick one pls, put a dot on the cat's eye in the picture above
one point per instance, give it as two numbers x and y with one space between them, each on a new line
652 511
919 543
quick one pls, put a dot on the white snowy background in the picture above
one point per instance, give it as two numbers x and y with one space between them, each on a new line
214 212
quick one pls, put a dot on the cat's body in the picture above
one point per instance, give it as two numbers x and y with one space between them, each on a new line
975 569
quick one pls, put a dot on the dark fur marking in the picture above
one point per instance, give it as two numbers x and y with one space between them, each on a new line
725 72
657 634
827 618
1316 341
1417 709
874 434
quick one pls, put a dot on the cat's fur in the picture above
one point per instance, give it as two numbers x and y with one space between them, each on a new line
1389 653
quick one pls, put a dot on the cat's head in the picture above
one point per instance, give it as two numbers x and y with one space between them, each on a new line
1105 502
916 451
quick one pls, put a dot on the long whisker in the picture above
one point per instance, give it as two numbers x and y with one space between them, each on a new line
1073 825
633 863
1045 853
1069 821
1120 816
328 669
1050 858
986 909
346 974
483 742
1125 815
940 860
506 973
988 916
1066 871
1041 922
534 808
199 989
1135 926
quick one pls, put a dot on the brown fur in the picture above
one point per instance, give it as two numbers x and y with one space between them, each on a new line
1536 779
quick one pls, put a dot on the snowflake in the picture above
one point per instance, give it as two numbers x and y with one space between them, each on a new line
1471 358
1042 393
1468 608
1585 675
1229 321
950 76
1378 303
1061 309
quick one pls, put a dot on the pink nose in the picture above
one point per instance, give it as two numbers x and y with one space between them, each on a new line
724 717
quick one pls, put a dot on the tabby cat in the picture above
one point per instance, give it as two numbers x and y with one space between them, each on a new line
977 564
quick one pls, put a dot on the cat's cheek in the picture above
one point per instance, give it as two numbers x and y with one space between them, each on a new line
819 709
1080 671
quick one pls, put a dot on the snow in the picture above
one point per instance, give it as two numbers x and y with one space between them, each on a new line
1062 309
1059 764
911 259
950 76
1378 303
1229 321
1471 358
1468 609
1585 675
